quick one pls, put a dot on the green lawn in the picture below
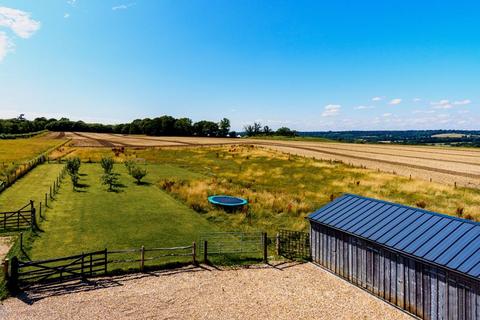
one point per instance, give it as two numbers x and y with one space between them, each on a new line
93 218
32 186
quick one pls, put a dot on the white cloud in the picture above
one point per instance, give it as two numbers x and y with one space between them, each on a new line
66 15
123 6
462 102
442 104
363 107
5 45
395 101
331 110
386 115
72 2
377 98
417 99
18 21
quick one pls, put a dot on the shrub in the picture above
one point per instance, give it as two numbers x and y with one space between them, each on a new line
138 174
459 212
421 204
107 165
129 164
110 179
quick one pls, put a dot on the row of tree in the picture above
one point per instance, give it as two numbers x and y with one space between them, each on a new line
256 129
161 126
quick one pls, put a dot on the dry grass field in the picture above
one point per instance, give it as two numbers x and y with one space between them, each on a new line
440 164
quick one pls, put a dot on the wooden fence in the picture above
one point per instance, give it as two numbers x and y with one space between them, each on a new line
23 274
18 219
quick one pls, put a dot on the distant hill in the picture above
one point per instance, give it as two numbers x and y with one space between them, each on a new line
433 137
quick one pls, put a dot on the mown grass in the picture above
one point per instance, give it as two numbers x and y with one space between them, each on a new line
16 152
282 189
92 218
32 186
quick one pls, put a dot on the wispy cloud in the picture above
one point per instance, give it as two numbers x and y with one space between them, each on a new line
462 102
331 110
5 45
66 15
386 115
20 23
442 104
395 101
73 3
123 6
363 107
417 99
377 98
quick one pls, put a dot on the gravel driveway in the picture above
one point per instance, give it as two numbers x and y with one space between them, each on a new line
285 291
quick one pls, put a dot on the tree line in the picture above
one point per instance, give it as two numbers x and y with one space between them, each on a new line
256 129
160 126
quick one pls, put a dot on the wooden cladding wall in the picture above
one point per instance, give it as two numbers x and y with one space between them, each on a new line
426 291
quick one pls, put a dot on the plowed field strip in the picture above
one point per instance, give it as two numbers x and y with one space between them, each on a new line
153 139
423 149
397 155
104 143
452 172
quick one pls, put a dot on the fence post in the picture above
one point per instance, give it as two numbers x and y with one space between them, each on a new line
32 212
194 253
51 192
142 258
5 269
277 243
46 201
21 241
205 251
265 247
13 278
40 210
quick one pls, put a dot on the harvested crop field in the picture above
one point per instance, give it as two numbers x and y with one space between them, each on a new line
440 164
285 291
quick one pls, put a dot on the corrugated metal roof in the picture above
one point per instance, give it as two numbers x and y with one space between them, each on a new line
443 240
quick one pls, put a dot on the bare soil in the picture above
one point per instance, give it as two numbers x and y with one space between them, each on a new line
285 291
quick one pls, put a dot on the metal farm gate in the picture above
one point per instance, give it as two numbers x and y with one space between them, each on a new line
293 244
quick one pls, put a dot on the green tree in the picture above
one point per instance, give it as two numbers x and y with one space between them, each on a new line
138 174
73 167
224 127
107 164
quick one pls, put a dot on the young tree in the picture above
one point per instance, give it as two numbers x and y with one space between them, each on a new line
138 174
73 167
107 165
110 179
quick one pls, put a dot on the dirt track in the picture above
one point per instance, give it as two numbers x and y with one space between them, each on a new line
261 292
444 165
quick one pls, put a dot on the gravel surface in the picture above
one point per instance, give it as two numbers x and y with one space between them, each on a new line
285 291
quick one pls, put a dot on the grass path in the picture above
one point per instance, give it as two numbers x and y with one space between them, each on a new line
93 218
32 186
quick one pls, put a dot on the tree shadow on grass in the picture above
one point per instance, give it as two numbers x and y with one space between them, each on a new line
143 183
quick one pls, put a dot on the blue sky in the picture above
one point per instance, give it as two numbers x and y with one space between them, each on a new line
308 65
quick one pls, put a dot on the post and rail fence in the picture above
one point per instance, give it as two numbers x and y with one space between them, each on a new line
21 275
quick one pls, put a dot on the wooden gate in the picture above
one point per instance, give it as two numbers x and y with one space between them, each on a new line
82 266
18 219
293 244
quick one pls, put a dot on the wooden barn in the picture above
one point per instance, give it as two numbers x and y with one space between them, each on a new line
423 262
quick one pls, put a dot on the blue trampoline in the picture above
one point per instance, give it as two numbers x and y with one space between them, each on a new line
227 201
